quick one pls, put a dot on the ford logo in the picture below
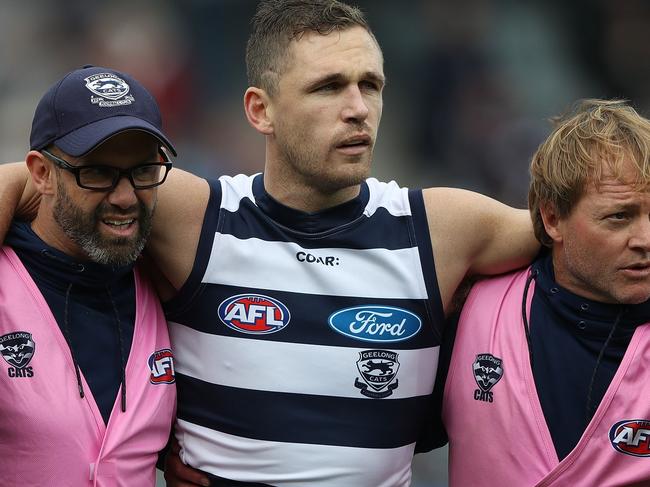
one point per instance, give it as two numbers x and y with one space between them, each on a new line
376 323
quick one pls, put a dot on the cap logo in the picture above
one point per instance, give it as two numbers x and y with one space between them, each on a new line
110 90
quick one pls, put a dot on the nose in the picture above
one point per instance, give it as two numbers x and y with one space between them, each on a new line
355 109
641 238
123 195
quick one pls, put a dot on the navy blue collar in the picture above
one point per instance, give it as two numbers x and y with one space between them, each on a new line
305 222
593 318
56 268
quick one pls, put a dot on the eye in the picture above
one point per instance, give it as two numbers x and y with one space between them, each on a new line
146 170
147 173
369 86
97 172
621 215
328 87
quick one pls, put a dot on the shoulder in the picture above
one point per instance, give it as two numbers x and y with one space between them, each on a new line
387 195
231 190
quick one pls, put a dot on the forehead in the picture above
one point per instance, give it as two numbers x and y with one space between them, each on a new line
616 185
129 145
347 51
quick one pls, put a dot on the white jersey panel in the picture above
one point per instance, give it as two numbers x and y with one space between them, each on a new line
234 190
399 276
389 196
313 465
417 368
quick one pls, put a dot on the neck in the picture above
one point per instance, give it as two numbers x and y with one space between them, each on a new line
49 232
296 191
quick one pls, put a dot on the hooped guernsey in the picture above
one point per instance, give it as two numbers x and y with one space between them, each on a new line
498 433
306 345
49 435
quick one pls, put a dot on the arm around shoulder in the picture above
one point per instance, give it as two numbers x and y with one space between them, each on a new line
474 234
177 223
18 197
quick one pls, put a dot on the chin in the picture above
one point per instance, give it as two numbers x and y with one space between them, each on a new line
344 182
634 298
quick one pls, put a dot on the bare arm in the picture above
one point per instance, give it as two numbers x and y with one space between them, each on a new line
177 223
18 197
473 234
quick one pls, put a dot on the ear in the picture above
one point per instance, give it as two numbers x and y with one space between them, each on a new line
257 106
41 171
552 220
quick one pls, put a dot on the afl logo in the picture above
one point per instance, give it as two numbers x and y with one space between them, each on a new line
161 364
376 323
632 437
254 314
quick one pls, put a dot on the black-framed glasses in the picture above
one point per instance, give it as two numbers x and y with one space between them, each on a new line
105 178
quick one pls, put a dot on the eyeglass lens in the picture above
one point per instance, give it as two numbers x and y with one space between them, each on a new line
105 176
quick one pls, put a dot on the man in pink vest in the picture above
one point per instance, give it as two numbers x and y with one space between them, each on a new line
87 392
549 382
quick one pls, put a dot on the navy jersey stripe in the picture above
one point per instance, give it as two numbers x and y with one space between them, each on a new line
362 233
423 237
203 316
312 419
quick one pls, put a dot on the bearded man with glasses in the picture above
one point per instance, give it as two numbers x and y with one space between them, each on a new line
77 320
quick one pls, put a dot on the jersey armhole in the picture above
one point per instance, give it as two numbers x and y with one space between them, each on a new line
425 249
432 434
193 284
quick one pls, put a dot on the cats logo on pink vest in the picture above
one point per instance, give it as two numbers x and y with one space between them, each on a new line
17 348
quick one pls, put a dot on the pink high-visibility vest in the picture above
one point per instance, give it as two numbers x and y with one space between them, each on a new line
49 435
497 432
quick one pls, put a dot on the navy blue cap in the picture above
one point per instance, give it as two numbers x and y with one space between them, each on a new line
90 105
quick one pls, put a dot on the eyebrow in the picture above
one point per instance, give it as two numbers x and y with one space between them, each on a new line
152 157
339 77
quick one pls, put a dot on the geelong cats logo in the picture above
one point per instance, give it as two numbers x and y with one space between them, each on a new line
488 371
378 368
17 348
111 90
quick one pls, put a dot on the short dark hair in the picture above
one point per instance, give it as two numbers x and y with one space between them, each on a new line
278 22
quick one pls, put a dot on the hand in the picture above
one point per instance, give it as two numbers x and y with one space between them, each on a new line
177 474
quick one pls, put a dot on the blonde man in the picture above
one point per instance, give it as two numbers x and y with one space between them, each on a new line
548 381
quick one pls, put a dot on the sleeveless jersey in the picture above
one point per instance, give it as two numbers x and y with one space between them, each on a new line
49 435
307 358
496 427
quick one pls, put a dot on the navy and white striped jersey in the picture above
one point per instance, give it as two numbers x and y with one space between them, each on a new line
306 345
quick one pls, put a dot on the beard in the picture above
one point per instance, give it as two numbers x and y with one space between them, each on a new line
82 228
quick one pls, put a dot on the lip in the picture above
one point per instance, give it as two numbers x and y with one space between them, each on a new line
637 271
354 145
124 230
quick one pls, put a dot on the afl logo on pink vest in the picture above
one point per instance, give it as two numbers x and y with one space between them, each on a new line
632 437
254 314
161 363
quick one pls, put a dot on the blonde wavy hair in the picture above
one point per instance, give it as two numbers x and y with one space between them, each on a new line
595 135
